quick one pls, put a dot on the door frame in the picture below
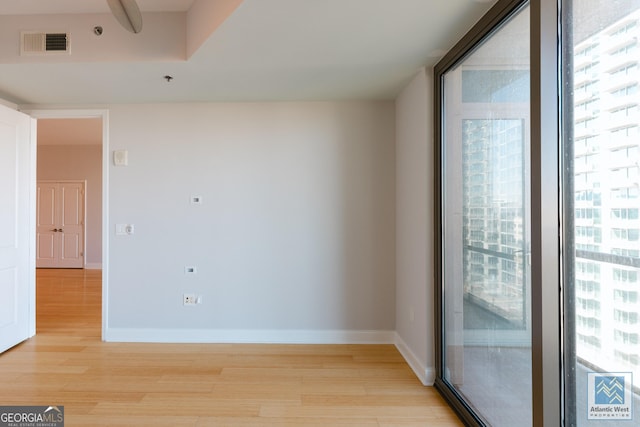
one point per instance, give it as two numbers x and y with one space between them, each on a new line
84 211
87 113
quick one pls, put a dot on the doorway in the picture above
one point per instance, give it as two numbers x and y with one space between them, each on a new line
72 145
69 154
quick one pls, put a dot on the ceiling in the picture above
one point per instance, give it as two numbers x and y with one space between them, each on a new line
229 50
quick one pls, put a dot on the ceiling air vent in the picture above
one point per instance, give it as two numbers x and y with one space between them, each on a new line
39 43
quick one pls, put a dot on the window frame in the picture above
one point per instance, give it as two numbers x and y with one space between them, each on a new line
547 203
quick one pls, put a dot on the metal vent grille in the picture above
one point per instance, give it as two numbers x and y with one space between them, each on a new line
56 42
40 43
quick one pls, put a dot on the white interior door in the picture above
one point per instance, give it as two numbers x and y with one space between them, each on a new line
60 225
46 226
17 267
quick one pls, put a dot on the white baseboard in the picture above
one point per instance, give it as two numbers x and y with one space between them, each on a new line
93 266
248 336
425 374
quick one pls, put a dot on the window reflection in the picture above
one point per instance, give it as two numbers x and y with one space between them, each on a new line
493 218
487 226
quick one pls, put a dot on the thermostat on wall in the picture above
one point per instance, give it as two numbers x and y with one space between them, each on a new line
121 157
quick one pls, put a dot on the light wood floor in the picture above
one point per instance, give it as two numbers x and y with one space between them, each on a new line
120 384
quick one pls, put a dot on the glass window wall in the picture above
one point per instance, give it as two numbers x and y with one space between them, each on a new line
601 139
539 216
486 233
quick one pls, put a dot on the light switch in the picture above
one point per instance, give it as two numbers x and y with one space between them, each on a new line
121 158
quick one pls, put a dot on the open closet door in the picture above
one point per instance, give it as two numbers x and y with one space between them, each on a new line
17 228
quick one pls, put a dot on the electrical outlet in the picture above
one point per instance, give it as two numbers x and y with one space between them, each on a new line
189 299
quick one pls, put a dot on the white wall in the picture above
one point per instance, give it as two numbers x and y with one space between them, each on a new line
414 225
294 240
79 162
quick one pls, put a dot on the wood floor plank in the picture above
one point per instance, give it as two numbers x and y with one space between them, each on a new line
198 385
289 422
115 420
180 405
351 411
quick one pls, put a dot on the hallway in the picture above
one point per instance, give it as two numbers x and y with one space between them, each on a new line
69 302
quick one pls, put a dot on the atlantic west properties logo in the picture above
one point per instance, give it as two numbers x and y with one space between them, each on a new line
609 390
31 416
610 396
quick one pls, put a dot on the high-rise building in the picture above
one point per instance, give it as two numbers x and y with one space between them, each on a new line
607 196
494 210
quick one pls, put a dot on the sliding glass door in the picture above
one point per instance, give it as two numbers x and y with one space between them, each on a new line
537 128
485 225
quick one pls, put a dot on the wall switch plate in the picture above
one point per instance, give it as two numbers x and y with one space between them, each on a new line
189 299
121 157
124 229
